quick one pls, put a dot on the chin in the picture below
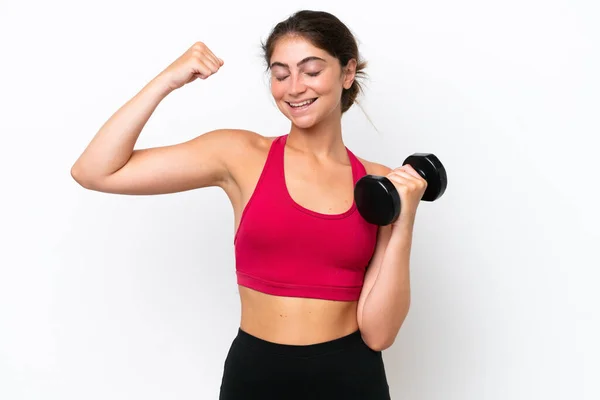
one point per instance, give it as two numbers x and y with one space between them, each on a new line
303 123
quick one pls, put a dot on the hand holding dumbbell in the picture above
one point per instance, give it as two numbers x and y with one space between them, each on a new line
378 200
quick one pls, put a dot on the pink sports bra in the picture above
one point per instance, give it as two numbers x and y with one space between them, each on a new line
284 249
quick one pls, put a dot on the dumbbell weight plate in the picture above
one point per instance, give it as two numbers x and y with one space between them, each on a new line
377 199
428 165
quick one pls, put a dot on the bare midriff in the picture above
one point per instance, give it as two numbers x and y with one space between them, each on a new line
295 321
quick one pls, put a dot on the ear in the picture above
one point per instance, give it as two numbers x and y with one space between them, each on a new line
349 73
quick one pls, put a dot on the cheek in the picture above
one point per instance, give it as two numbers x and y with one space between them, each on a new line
325 85
277 90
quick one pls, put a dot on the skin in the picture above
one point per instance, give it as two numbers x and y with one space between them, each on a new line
232 159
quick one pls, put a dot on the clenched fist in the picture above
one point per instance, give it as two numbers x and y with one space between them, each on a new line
197 62
410 186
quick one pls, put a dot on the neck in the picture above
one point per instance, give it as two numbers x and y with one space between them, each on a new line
323 141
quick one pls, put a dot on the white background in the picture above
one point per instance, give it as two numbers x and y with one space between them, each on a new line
121 297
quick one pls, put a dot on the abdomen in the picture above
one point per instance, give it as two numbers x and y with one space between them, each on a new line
293 320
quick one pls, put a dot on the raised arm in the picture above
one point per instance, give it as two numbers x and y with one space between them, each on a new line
110 164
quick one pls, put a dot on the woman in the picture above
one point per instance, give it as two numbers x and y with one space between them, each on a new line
322 291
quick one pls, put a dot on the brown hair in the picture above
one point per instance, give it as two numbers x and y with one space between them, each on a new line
328 33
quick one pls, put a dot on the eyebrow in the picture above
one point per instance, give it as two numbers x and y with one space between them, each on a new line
303 61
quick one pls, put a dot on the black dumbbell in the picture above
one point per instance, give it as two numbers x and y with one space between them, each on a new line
377 199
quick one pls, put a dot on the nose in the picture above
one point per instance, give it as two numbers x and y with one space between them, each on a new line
297 85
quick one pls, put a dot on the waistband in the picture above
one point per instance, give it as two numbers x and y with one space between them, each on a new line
309 350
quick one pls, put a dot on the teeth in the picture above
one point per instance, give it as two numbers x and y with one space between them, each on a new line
301 104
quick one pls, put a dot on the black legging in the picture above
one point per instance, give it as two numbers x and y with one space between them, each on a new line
344 369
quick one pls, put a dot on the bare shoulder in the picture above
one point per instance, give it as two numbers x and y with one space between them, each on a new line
231 145
231 138
375 168
241 145
242 137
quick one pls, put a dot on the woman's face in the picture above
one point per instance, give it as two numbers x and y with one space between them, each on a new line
306 82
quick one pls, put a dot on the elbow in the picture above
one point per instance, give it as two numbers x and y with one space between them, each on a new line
379 345
379 342
78 176
382 337
83 179
75 173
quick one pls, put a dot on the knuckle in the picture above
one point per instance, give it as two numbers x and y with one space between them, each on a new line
194 58
197 63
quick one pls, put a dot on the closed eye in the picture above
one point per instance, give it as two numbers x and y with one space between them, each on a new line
311 74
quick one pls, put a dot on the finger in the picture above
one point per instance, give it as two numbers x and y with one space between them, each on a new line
413 173
202 70
409 168
211 64
406 175
407 180
218 62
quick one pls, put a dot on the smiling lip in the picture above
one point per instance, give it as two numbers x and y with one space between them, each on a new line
301 105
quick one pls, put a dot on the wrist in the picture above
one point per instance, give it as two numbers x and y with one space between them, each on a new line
160 86
405 221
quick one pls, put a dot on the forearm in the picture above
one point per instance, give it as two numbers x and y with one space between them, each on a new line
388 301
113 144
